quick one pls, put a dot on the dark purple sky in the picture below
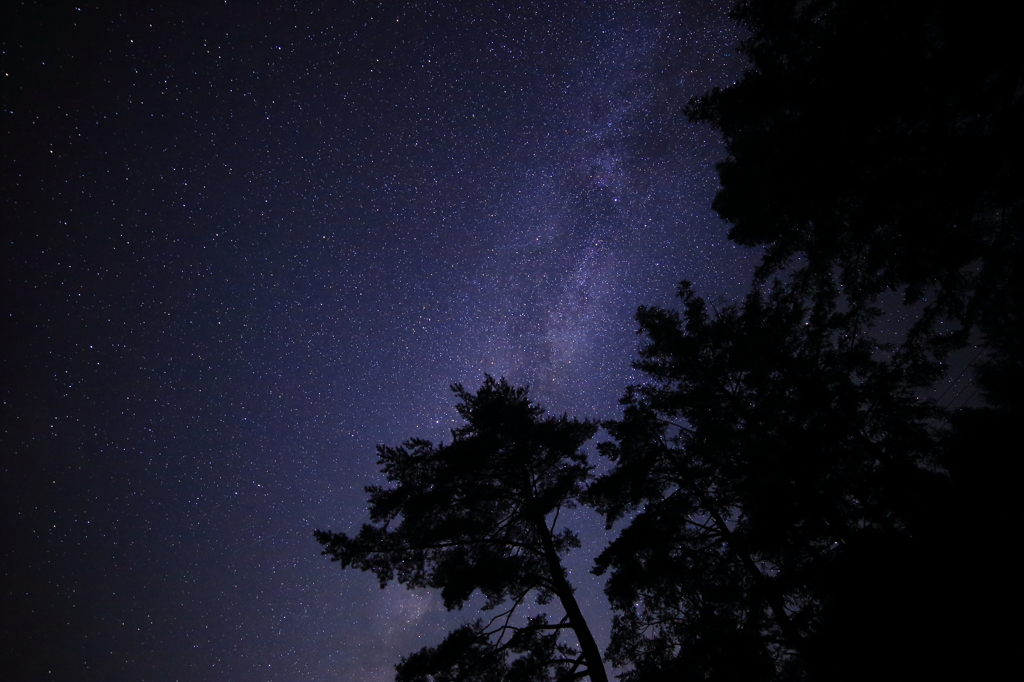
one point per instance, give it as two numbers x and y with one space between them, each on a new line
246 242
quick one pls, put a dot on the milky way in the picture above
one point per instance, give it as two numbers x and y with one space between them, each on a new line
249 242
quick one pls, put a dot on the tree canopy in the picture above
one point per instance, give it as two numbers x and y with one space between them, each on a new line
880 140
481 514
797 509
771 450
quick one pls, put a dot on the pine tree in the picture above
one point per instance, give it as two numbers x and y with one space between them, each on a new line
773 455
481 513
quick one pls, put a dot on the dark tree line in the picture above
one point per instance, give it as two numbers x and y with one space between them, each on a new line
800 511
789 504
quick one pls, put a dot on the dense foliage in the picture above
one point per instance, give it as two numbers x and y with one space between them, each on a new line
770 441
878 140
797 509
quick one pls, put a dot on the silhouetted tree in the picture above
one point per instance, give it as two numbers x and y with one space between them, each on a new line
875 146
773 455
881 140
481 514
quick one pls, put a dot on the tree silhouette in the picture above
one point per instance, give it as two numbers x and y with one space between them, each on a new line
880 140
481 514
771 458
874 147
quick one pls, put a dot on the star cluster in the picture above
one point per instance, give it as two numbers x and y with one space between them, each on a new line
246 242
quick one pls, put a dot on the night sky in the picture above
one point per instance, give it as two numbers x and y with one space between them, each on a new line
247 242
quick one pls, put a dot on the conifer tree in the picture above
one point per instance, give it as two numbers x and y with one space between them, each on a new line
773 456
481 513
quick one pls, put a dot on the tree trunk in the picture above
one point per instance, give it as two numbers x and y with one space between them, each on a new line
562 588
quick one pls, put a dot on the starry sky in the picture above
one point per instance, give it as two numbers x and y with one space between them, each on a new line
245 242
